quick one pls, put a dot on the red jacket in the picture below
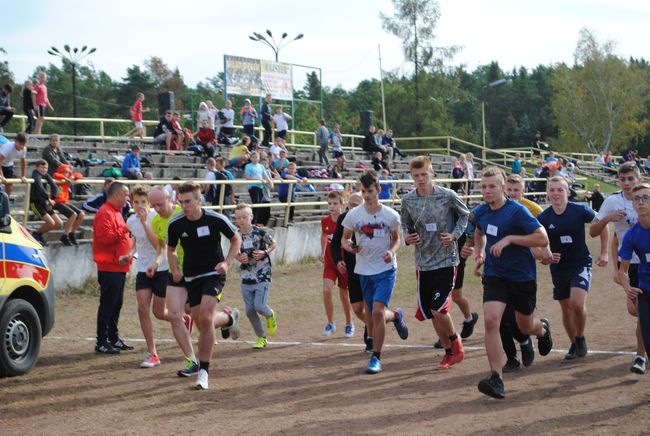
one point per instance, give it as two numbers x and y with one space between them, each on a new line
111 239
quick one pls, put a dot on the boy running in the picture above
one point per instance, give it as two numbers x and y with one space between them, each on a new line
377 231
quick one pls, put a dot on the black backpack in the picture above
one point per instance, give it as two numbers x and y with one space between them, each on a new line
213 193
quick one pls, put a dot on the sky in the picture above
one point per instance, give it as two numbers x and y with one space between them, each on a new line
341 36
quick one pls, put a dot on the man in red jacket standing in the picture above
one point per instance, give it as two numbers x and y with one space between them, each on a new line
113 253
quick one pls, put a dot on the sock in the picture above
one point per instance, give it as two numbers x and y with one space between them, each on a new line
453 337
470 319
525 342
448 351
230 320
204 365
377 354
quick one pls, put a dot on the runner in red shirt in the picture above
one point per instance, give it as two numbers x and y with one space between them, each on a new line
136 116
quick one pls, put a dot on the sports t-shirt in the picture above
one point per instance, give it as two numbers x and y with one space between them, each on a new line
618 203
201 242
516 263
255 271
136 111
534 208
328 226
566 233
146 252
373 236
637 243
41 94
159 226
9 152
255 171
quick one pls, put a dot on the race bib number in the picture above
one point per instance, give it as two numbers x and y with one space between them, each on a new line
379 233
203 231
566 239
492 230
247 244
432 227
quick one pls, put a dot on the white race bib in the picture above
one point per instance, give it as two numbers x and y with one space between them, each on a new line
566 239
492 230
247 244
379 233
203 231
431 227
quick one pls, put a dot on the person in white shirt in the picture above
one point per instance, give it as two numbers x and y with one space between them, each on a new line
228 128
9 152
280 122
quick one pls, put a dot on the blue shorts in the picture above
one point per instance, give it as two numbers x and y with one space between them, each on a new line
562 284
378 287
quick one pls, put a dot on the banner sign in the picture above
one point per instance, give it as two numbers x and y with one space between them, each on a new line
253 77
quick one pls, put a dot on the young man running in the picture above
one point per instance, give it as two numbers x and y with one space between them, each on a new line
564 222
506 230
377 231
434 218
618 209
204 267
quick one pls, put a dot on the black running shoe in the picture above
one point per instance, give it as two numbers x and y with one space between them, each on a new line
438 345
468 326
571 354
545 342
65 240
527 353
121 345
106 348
581 346
638 366
73 239
512 365
492 386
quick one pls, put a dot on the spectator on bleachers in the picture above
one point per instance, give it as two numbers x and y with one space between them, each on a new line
322 137
379 137
93 204
267 114
369 143
239 155
457 173
137 111
74 215
5 210
183 135
10 151
516 164
596 198
53 154
164 131
469 166
254 170
551 156
336 142
290 173
386 185
646 166
281 163
28 105
276 148
41 101
248 116
206 138
216 171
267 191
6 110
202 114
212 114
391 146
379 162
280 122
227 121
42 201
131 164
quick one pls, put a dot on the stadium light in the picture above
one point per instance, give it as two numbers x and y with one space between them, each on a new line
73 56
276 46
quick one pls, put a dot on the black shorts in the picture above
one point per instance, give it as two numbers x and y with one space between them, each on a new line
633 274
157 283
434 290
354 288
40 209
66 209
40 110
282 134
8 172
210 285
171 282
460 274
522 296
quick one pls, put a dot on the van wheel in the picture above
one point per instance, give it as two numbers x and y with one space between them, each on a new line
20 340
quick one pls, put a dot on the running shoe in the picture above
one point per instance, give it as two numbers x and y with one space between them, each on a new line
225 331
202 381
527 353
349 331
261 343
457 352
492 386
368 342
444 363
511 365
581 346
400 326
150 360
271 324
121 345
106 348
73 239
374 365
468 326
545 342
638 367
234 329
329 329
65 241
571 354
189 325
438 345
191 368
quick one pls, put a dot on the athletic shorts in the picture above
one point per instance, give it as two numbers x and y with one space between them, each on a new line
138 124
434 291
160 138
337 154
40 209
157 283
66 209
8 172
282 134
378 287
521 295
562 284
632 273
354 288
40 110
331 272
210 285
170 281
460 274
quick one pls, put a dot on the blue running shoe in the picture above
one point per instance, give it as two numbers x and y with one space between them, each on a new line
374 366
401 328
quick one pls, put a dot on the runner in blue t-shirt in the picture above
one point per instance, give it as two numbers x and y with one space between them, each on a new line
506 230
571 262
637 241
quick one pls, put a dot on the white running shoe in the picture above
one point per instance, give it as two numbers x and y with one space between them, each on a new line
329 329
349 331
202 380
235 331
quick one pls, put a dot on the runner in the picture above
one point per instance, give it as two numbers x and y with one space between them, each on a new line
434 218
618 209
331 274
506 230
254 256
204 268
376 228
571 262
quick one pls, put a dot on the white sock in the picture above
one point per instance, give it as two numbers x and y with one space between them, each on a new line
470 319
525 342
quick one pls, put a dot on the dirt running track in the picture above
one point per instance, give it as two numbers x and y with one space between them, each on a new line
305 384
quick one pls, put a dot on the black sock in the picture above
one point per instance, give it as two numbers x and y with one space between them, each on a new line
204 365
377 354
453 337
447 351
230 320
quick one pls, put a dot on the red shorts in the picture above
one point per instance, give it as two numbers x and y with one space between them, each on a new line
331 272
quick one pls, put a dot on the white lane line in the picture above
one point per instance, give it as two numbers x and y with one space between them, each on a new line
332 344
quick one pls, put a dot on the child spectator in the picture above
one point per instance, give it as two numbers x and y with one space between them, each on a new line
42 201
164 132
74 215
516 164
28 105
379 162
336 142
202 114
257 244
131 164
280 121
385 185
206 138
290 173
53 154
212 113
216 171
248 116
6 111
41 101
183 135
136 116
93 204
227 117
10 151
254 170
281 163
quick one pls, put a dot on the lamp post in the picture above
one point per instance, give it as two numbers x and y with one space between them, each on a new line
74 56
276 46
489 85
